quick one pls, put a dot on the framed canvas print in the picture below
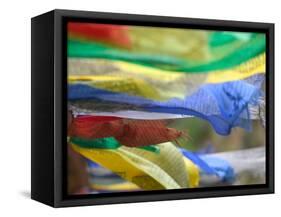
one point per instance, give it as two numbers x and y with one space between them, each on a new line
134 108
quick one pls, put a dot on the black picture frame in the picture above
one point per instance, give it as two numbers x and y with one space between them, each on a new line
49 108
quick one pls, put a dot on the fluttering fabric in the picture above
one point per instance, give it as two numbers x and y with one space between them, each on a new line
223 105
146 169
222 168
165 161
152 83
132 133
211 165
192 51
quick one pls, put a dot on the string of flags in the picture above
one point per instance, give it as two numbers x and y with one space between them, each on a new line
127 83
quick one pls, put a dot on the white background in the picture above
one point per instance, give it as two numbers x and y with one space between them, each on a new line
15 106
